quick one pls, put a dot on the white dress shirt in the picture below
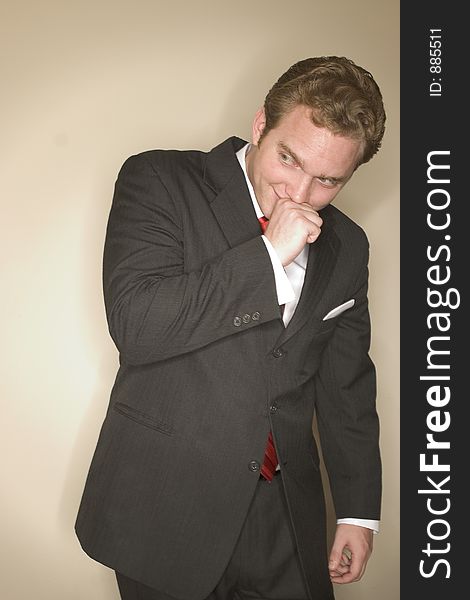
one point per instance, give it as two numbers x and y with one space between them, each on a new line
289 282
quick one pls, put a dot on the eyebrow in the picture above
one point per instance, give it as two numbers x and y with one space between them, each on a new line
285 148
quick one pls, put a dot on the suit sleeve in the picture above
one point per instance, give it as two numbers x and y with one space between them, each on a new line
346 413
155 309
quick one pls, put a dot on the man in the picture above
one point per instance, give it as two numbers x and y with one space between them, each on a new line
237 297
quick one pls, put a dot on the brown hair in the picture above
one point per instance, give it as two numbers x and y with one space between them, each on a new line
343 97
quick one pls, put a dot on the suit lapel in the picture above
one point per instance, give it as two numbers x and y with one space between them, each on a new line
231 205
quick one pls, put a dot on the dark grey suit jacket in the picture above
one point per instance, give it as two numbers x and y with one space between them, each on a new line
207 368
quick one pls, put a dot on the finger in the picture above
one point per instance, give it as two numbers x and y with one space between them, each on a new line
341 568
305 206
308 209
335 560
346 577
351 574
339 571
313 236
312 217
341 579
297 206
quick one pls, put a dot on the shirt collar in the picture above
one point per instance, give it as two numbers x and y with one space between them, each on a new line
241 155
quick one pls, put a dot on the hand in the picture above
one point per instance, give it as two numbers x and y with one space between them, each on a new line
291 226
351 550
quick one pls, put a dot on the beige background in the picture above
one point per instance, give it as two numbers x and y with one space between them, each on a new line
84 85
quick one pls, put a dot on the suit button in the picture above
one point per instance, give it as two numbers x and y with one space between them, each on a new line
273 409
237 321
246 318
278 352
253 465
255 316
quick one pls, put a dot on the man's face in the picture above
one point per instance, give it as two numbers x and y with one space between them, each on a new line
299 160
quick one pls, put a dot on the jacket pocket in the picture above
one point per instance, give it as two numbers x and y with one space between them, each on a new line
142 418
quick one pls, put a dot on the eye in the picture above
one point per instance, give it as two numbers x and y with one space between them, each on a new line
328 182
287 159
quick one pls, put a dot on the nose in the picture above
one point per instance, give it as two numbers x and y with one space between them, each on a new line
298 189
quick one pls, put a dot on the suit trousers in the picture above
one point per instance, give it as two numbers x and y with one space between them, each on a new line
264 565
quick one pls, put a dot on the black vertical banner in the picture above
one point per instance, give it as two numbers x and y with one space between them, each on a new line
435 268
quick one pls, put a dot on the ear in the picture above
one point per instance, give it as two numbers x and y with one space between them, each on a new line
259 123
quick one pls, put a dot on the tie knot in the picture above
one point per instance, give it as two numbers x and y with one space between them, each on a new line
263 222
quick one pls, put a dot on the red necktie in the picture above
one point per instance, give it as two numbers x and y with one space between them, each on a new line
263 222
270 462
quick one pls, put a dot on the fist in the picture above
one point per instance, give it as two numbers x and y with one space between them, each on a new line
291 226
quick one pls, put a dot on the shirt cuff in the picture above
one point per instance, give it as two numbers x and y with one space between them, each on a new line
369 523
284 289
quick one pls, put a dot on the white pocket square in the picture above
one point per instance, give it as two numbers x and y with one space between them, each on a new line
339 309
